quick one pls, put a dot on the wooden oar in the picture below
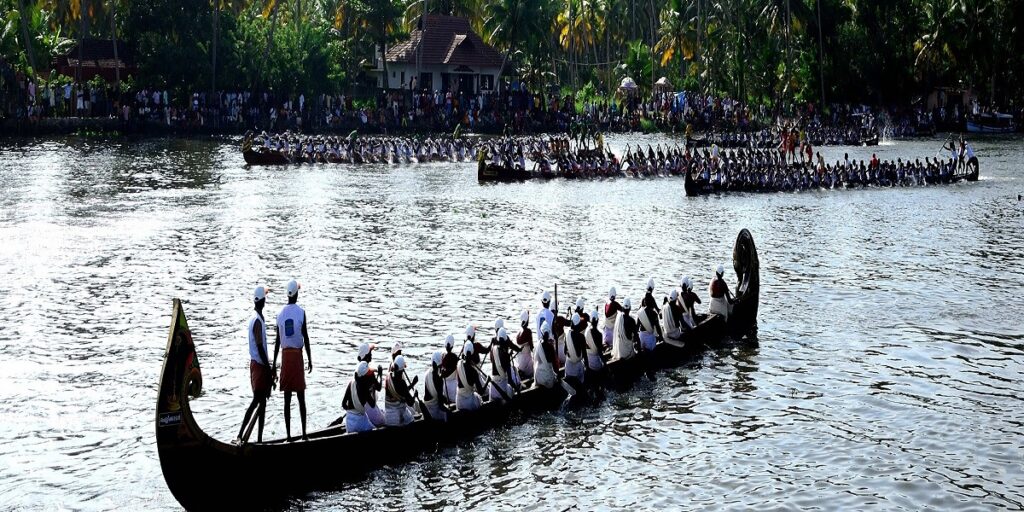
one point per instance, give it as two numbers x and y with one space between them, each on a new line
416 395
491 382
567 387
249 427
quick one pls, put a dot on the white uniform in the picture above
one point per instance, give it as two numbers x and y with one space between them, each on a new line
609 328
622 342
544 315
356 419
434 403
543 371
467 399
574 365
593 350
501 379
648 335
719 305
451 386
254 352
289 326
687 317
668 324
560 346
524 362
396 412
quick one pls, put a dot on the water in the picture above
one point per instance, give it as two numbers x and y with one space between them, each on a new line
887 377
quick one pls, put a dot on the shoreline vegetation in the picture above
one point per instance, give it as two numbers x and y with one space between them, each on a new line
228 66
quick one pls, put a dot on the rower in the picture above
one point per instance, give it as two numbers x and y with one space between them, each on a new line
670 320
648 300
721 297
584 317
575 351
470 388
398 399
449 364
558 330
688 298
544 369
611 311
502 375
360 401
365 353
291 332
545 314
478 348
648 319
396 350
498 325
433 390
524 359
592 335
624 338
261 376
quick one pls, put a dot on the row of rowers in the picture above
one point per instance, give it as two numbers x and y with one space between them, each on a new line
456 381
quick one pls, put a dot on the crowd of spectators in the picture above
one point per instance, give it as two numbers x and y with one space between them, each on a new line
515 110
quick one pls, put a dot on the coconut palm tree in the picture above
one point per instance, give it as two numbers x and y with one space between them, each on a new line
232 6
25 39
380 20
678 34
510 22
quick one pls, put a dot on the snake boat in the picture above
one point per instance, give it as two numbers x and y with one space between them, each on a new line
203 473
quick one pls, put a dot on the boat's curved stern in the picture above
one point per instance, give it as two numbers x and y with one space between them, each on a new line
179 440
743 319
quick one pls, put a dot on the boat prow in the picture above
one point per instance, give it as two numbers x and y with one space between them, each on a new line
689 185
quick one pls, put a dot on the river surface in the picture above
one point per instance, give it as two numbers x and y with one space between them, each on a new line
888 373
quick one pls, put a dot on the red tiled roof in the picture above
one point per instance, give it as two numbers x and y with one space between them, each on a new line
445 40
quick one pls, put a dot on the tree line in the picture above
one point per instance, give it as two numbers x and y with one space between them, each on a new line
880 52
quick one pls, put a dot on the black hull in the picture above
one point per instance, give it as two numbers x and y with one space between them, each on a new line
693 188
689 186
496 173
203 473
257 158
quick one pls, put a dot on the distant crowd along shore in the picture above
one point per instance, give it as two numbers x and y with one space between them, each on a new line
512 111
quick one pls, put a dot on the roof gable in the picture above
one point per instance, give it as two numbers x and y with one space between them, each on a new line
445 40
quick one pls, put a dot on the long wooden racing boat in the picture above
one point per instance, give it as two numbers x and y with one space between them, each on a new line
694 188
204 473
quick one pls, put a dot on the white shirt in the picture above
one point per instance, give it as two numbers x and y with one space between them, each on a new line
544 315
254 352
289 326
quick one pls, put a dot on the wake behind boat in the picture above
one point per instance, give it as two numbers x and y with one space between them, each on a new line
204 473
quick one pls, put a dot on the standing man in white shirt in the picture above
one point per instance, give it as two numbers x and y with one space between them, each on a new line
261 376
291 332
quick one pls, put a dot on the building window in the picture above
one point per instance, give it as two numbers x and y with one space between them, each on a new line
403 79
486 82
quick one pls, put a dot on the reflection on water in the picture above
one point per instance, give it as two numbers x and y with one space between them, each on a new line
886 374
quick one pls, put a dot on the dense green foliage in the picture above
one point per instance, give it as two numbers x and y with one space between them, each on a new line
771 51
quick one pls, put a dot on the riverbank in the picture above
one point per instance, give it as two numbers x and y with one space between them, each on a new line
95 126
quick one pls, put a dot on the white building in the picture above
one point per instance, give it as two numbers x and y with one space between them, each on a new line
442 54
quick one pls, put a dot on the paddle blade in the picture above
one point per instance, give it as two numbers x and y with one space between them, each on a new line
568 387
